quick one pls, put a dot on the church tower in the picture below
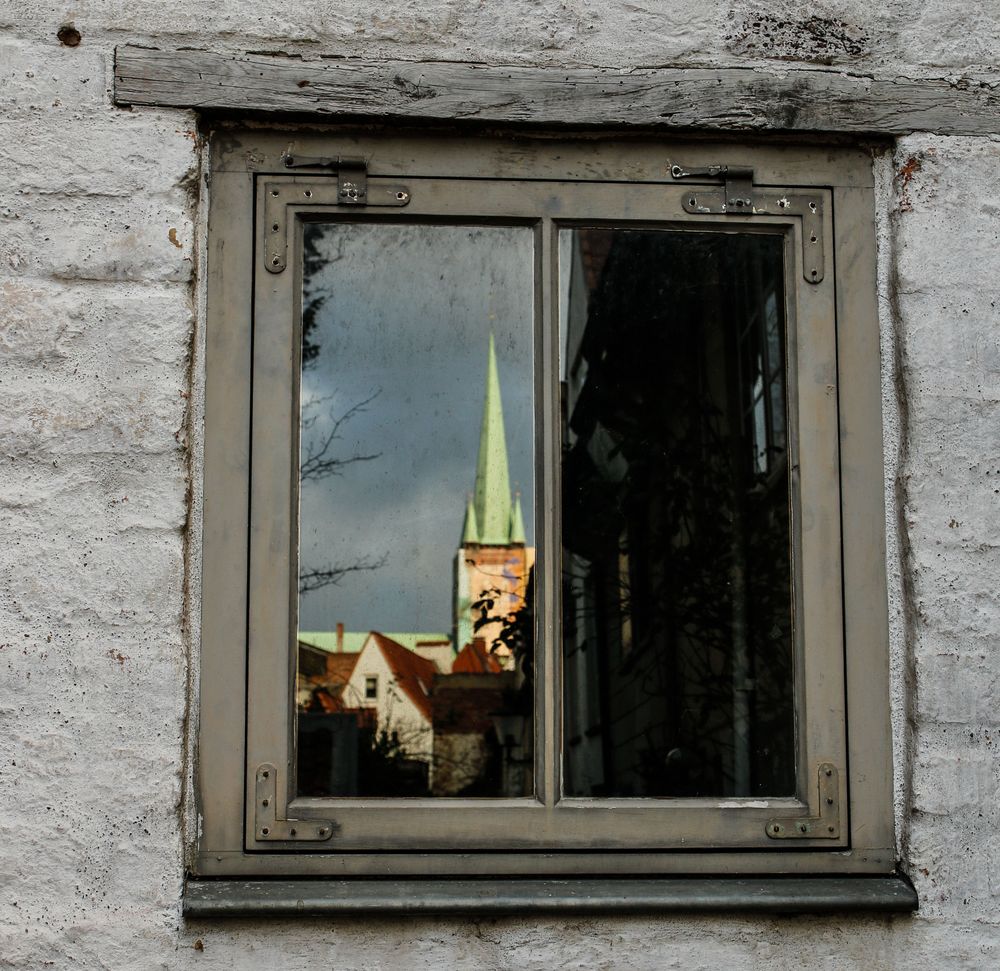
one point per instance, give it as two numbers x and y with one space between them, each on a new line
492 559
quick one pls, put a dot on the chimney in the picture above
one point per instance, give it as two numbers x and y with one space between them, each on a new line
340 638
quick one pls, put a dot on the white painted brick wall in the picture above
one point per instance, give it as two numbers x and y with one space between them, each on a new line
97 310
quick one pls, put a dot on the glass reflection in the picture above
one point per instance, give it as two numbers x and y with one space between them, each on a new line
677 642
415 593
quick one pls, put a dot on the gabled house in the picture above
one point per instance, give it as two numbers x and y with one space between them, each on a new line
396 683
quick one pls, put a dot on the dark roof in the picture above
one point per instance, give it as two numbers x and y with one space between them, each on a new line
413 673
464 703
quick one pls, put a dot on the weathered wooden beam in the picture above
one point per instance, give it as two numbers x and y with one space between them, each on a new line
738 99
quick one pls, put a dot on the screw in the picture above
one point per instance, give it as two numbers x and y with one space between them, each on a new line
292 832
265 802
829 800
826 772
274 192
829 829
274 262
802 827
265 831
265 774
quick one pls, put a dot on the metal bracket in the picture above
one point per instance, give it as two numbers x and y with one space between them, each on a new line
738 197
824 826
351 189
267 826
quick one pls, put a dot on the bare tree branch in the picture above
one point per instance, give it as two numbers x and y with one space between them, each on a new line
313 579
318 463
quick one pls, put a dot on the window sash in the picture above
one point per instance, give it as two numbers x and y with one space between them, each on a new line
546 821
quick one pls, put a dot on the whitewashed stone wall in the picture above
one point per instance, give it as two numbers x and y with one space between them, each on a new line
99 462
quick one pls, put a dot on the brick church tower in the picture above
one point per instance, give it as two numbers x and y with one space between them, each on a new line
492 555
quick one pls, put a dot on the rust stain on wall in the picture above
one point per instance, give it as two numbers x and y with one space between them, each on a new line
904 176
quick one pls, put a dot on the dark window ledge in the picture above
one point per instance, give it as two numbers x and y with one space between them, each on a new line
791 895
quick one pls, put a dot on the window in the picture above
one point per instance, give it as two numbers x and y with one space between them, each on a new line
543 510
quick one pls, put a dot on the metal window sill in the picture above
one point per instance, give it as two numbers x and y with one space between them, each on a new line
788 895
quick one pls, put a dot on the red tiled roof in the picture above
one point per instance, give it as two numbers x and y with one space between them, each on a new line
414 674
475 659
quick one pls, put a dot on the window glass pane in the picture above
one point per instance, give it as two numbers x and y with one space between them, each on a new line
415 619
677 644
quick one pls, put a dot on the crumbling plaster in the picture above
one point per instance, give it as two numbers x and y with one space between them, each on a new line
100 384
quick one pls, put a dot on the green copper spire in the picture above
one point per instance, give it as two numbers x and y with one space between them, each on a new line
516 521
492 504
470 532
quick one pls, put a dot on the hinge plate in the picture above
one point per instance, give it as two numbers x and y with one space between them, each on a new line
268 827
824 826
739 197
351 188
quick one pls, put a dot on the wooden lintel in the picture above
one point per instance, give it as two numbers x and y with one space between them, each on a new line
731 99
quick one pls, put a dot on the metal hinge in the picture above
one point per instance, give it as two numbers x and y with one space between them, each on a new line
737 181
352 175
267 825
739 197
824 826
351 188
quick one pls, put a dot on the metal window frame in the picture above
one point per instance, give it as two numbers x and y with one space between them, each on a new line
618 836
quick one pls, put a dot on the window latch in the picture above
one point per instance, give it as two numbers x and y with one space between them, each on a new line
737 181
352 174
739 197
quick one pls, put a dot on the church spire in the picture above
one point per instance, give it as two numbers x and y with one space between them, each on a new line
516 521
470 532
492 496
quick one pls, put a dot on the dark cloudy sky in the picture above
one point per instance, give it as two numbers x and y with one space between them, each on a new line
407 314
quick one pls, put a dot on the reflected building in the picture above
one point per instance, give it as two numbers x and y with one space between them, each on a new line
677 654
